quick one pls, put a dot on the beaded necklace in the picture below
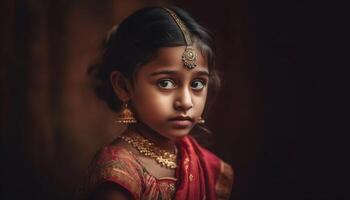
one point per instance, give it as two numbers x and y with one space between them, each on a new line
149 149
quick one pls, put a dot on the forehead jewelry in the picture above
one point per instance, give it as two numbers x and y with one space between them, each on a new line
189 56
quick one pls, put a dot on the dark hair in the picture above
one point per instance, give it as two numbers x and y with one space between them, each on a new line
137 39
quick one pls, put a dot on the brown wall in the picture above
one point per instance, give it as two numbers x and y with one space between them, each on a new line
52 123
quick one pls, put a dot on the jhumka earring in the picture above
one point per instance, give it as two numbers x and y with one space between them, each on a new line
126 116
201 120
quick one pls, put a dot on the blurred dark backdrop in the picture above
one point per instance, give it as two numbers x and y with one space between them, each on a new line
266 119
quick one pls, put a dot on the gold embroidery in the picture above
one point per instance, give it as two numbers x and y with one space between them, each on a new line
167 190
116 170
186 162
172 187
190 177
122 177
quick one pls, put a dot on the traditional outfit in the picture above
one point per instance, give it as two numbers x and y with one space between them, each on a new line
199 175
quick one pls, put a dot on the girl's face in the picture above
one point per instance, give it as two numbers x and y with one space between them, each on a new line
168 97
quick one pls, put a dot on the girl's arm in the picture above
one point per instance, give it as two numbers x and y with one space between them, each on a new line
110 191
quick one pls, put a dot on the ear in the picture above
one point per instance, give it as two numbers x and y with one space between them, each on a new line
121 86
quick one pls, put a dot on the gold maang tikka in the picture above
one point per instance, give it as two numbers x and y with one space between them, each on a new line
189 56
125 116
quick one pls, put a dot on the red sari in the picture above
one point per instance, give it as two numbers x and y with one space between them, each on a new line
200 174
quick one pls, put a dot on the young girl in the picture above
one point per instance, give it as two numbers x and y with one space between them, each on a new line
156 70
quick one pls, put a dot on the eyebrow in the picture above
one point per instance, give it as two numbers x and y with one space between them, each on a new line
172 72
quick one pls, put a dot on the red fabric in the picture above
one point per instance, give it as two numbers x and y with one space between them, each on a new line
118 165
203 166
198 174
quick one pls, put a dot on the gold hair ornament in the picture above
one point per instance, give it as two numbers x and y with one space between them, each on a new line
189 56
111 32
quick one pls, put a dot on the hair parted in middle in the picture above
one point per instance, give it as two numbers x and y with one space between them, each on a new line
136 40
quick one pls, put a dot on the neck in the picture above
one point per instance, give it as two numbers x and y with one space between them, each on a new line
148 133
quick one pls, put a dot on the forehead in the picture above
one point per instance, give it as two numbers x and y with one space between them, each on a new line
171 58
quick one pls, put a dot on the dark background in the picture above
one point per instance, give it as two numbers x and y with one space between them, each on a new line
266 122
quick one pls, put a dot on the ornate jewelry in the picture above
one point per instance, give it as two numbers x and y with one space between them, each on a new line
201 120
148 148
189 56
125 116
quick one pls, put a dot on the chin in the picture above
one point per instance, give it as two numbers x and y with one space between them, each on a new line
177 134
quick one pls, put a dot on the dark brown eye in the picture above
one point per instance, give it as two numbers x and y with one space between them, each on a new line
198 84
166 84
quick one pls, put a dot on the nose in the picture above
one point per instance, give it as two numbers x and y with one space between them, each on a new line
183 101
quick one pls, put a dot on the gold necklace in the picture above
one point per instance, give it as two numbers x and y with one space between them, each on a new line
148 148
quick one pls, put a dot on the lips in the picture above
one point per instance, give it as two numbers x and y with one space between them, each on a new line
181 121
181 118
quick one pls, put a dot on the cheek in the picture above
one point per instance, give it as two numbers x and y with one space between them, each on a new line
200 101
150 104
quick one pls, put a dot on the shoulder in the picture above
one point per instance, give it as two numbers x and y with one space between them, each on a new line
224 173
225 180
116 165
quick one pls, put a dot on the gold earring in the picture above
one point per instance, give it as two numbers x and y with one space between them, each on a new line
126 116
201 120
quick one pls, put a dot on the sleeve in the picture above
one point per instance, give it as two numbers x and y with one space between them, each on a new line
118 167
225 180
